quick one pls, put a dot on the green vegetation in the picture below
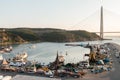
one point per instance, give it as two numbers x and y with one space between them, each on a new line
47 35
26 34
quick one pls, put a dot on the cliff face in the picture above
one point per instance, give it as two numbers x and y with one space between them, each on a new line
50 35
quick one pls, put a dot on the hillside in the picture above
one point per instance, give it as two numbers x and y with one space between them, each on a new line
9 38
47 35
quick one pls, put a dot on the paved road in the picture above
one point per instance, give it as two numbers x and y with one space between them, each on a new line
115 74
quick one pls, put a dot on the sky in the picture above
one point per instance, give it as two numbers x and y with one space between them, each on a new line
63 14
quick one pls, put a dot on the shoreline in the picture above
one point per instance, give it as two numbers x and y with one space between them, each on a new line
91 76
108 75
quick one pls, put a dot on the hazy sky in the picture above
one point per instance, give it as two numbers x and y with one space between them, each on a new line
65 14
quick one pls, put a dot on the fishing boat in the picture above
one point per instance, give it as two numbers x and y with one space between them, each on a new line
1 57
5 49
21 56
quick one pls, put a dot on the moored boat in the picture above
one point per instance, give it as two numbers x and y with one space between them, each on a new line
21 56
5 49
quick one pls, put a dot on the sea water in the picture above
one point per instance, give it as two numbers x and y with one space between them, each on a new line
45 52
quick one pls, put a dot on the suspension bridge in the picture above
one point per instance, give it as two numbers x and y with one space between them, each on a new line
101 22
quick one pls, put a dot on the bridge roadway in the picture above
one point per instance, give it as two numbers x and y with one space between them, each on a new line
107 32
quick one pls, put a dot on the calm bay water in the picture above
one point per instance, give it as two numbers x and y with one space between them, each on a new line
45 52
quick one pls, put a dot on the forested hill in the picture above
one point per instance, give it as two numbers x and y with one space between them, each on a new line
46 35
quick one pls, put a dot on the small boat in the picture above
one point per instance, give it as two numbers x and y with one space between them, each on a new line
5 49
8 48
72 44
1 57
82 45
21 56
32 46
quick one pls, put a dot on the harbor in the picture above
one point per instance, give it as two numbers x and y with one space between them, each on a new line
63 68
60 40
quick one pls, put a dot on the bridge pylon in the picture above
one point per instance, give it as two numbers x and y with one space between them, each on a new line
101 23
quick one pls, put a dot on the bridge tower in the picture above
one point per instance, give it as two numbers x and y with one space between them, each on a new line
101 23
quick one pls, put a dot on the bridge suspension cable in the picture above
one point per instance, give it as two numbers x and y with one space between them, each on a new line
92 22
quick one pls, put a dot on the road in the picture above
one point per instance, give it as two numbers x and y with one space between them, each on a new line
115 74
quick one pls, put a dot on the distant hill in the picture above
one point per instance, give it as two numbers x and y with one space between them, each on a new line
47 35
10 38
